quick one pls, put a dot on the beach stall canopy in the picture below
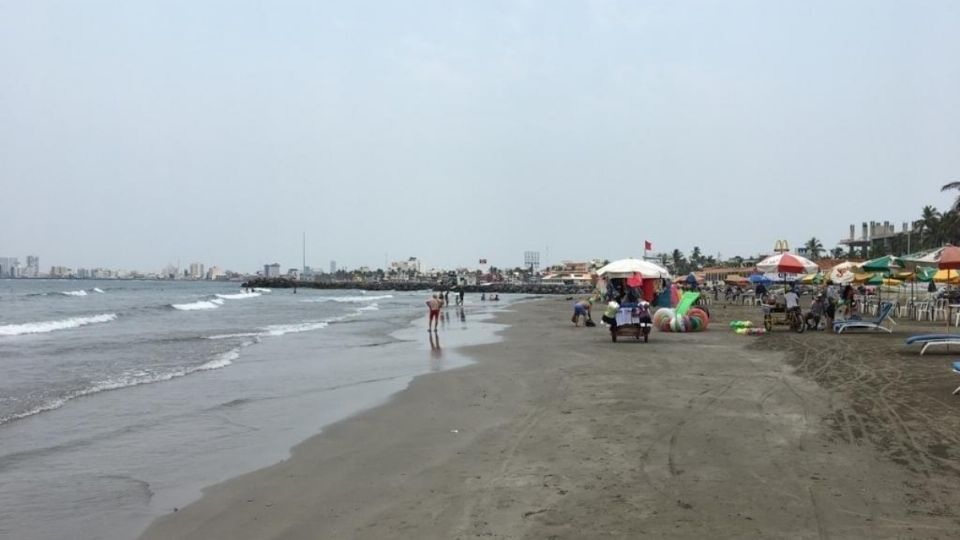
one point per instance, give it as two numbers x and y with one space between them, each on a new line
811 279
625 268
787 263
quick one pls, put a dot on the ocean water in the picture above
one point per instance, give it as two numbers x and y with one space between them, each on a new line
121 400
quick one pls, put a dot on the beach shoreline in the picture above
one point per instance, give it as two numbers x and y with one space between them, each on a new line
556 432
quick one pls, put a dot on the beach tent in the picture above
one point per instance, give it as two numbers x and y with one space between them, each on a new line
810 279
756 279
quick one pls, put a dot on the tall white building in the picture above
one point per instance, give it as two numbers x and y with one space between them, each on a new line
333 267
33 266
9 267
215 273
271 270
196 271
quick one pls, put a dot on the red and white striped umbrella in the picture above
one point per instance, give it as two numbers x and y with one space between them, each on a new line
787 263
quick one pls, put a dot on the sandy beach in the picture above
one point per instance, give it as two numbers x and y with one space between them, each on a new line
556 432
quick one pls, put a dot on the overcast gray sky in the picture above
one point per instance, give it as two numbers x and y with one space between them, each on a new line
137 133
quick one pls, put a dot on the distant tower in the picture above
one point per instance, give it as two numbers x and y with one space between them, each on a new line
531 260
333 267
304 269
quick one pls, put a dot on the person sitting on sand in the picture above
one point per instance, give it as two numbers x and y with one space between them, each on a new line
433 304
580 309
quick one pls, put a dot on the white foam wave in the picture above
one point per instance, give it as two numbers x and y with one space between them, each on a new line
217 301
228 336
98 290
238 296
74 293
349 299
202 304
125 380
50 326
372 307
281 329
222 361
260 289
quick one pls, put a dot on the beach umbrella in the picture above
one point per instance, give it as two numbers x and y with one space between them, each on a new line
949 260
843 273
735 279
787 263
811 279
625 268
756 279
887 263
946 276
924 274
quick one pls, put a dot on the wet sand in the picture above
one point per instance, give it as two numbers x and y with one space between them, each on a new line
558 433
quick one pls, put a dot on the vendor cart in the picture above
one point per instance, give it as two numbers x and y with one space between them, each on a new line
777 314
632 320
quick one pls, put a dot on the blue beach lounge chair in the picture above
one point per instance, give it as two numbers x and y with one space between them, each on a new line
956 369
929 340
865 324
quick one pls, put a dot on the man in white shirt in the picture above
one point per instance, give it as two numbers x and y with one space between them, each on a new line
792 300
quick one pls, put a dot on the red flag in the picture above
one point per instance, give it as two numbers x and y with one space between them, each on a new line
647 245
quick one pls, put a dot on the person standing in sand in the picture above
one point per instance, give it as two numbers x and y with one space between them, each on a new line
433 304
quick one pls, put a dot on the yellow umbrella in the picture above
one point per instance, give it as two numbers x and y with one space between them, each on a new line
946 276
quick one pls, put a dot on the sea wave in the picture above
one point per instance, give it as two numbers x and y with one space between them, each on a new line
194 306
260 289
372 307
80 292
50 326
217 301
349 299
98 290
238 296
281 329
125 380
237 335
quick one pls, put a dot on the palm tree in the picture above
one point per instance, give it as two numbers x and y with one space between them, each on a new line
679 262
814 247
928 226
949 226
696 257
953 185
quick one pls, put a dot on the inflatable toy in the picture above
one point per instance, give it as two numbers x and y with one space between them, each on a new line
667 320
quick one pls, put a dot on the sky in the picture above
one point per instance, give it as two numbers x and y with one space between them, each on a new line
135 134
